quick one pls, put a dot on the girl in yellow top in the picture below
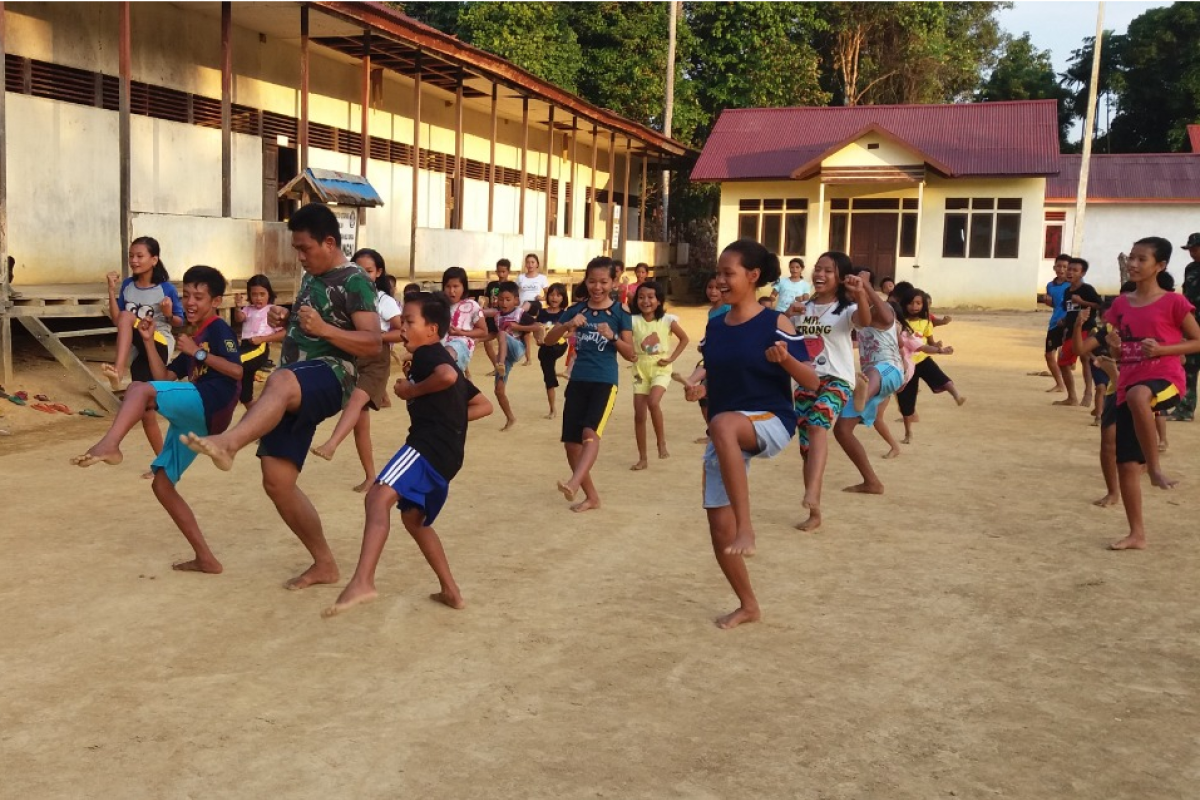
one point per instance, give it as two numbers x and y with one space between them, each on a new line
917 323
652 330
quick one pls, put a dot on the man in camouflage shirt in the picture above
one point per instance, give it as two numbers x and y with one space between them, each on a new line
1186 410
333 321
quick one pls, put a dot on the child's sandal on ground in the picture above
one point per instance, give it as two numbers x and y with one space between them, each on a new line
42 407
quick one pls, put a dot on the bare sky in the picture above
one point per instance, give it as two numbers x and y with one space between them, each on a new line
1060 26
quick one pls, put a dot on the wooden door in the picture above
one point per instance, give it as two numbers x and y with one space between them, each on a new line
873 242
270 176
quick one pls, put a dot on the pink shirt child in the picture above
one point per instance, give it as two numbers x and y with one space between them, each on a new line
463 315
254 322
1162 321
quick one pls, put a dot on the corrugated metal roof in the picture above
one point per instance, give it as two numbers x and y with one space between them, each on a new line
1154 176
329 186
1010 138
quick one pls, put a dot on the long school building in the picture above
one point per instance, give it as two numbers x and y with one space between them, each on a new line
183 121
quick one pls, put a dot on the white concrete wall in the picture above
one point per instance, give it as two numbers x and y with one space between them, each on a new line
238 247
656 254
572 254
888 154
475 252
177 166
1111 229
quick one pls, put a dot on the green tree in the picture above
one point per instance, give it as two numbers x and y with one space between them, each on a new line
1023 72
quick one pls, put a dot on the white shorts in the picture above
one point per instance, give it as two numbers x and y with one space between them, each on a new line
772 437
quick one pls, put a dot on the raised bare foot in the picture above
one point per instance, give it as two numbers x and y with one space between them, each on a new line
350 597
312 576
1130 542
209 566
742 545
449 598
508 424
861 387
365 486
812 523
148 475
961 400
893 453
1107 500
324 451
585 505
204 446
662 453
110 371
735 618
95 456
1162 481
640 465
865 488
568 490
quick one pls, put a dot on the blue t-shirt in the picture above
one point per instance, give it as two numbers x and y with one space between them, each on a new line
596 356
1058 296
719 310
219 393
739 376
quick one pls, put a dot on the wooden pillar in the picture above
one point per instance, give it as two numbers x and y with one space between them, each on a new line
642 204
365 125
456 215
590 225
612 188
6 364
524 161
492 163
125 69
624 234
550 209
569 228
226 109
416 169
303 133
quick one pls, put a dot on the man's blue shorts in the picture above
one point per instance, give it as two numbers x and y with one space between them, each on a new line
320 399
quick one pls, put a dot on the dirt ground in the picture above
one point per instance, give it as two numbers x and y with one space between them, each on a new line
965 635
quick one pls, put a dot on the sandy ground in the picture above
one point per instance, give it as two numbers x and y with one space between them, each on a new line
966 634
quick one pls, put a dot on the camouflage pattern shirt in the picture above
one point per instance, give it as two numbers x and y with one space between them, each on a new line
336 296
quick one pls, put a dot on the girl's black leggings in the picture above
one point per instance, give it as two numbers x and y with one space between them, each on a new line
548 355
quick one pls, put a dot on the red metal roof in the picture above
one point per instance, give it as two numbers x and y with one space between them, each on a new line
1154 176
998 139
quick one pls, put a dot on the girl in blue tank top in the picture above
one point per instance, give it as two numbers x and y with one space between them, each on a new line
751 356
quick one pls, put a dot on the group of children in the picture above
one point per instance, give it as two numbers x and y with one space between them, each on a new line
1132 350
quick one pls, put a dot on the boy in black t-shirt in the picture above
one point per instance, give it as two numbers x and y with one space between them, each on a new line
490 293
417 479
198 391
1079 295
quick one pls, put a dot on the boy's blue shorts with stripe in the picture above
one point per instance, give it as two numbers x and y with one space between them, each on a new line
416 482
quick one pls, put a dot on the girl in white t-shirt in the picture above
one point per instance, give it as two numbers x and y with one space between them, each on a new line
532 285
371 388
829 318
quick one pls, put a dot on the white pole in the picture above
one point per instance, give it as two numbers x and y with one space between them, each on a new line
668 112
1088 128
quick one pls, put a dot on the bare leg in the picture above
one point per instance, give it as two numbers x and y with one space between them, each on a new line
550 402
362 443
528 348
1068 377
1108 466
154 434
656 419
581 458
953 390
1055 371
138 398
435 556
346 423
185 520
843 431
298 513
640 406
722 528
866 386
908 434
1085 366
1138 399
733 434
814 476
502 398
489 347
881 427
280 395
126 322
1160 427
1131 495
379 502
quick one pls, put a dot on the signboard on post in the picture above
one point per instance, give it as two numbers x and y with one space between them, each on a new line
347 217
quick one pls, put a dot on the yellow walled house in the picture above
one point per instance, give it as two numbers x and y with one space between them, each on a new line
949 197
183 121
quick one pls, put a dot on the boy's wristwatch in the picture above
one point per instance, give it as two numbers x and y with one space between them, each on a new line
201 356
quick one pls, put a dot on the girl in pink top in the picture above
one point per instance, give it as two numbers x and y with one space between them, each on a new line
1152 328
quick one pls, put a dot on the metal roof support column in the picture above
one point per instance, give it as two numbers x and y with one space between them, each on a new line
524 163
456 215
226 109
550 210
125 68
492 162
624 233
416 169
569 229
642 203
365 125
612 190
6 365
303 133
